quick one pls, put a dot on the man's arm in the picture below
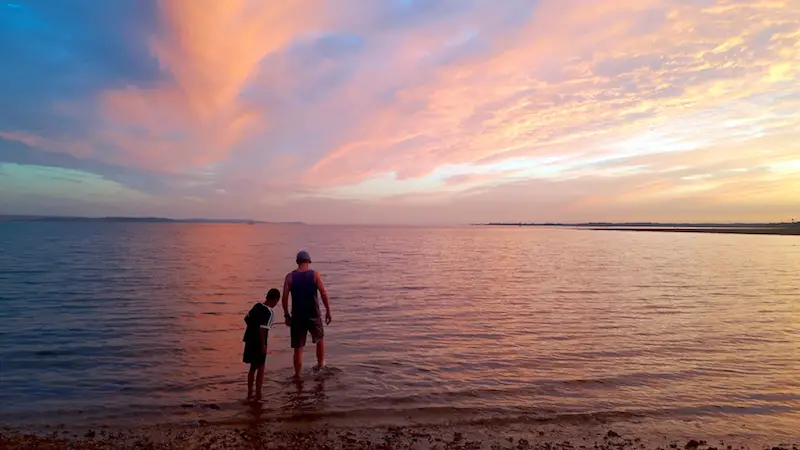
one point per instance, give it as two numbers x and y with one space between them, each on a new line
324 294
287 286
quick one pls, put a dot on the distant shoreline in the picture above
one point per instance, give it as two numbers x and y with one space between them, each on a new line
775 231
644 224
135 220
780 229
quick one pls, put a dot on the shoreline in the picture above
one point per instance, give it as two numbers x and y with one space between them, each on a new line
780 231
775 229
586 435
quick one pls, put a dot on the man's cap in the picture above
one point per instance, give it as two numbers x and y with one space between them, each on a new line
303 256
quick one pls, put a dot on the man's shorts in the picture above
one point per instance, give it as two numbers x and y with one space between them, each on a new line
301 328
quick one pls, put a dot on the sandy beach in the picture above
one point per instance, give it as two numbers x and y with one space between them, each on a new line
618 436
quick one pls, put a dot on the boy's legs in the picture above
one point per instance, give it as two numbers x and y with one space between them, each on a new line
250 376
259 380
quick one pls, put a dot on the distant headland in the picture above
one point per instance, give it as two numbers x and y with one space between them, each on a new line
781 228
22 218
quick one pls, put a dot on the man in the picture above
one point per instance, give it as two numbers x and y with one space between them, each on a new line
305 318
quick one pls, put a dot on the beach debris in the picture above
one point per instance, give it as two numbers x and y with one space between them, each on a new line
612 434
213 438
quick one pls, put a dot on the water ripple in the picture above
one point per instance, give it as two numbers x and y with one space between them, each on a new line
104 321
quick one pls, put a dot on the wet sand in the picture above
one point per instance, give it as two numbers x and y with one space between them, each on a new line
307 437
777 231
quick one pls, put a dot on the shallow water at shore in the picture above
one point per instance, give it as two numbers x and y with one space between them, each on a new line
139 324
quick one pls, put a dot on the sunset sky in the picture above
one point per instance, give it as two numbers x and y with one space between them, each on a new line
402 111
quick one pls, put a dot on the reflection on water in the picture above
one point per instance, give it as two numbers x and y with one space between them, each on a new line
134 320
307 396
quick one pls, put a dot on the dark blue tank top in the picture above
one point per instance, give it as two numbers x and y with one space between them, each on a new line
304 295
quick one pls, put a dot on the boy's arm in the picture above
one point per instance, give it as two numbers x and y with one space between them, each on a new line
324 294
264 328
262 334
247 317
287 285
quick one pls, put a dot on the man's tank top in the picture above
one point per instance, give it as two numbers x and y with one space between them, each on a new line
304 295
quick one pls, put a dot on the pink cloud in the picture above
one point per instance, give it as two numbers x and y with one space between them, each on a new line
539 95
471 178
641 103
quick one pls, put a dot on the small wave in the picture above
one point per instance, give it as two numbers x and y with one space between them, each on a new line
456 416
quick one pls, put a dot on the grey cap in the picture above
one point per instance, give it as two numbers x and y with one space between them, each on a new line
303 256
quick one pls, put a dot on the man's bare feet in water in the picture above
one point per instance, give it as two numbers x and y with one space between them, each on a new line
253 398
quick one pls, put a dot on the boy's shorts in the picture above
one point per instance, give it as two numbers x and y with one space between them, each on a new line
253 354
301 328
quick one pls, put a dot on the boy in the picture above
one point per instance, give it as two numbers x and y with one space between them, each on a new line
259 321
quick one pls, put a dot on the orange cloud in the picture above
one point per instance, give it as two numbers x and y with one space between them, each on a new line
211 50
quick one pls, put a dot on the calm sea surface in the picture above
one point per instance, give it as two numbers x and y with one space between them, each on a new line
142 323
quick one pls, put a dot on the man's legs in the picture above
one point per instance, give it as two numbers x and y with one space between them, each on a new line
320 354
317 334
298 332
298 361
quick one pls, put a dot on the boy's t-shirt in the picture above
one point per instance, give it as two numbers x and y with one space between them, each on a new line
260 316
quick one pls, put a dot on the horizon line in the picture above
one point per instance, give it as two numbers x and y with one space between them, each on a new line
23 217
